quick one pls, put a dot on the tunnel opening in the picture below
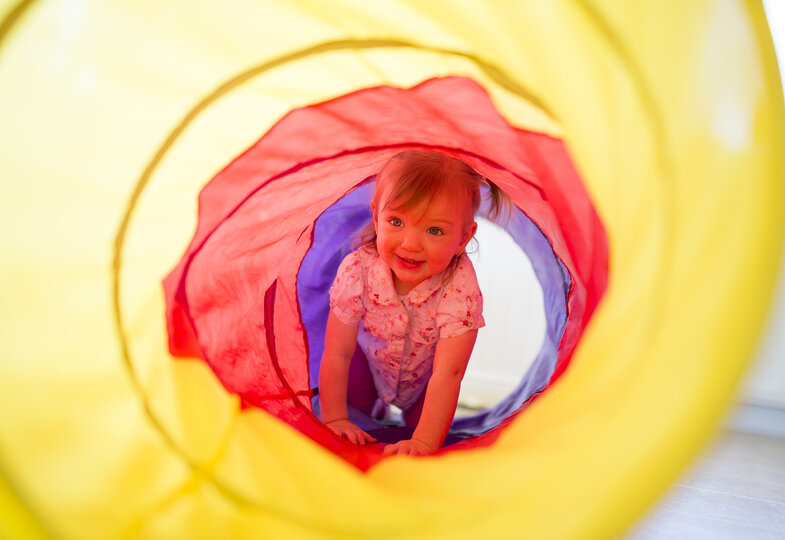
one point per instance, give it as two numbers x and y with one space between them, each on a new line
249 296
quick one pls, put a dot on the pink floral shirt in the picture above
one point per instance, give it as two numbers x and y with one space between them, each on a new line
398 334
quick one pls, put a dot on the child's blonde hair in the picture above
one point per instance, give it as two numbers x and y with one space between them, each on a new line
423 173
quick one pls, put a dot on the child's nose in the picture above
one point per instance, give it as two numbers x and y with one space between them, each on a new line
411 241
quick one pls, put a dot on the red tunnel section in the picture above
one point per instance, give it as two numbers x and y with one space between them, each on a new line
231 300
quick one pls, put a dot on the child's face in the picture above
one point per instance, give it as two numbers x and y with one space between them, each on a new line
419 242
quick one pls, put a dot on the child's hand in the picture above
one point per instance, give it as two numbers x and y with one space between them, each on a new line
350 432
412 447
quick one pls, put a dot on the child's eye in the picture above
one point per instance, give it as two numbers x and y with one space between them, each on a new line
436 231
395 222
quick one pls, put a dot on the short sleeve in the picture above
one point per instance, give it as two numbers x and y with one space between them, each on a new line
460 305
346 293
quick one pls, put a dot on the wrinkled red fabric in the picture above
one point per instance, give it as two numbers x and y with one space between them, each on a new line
232 300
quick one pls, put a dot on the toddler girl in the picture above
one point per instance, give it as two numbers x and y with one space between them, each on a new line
405 307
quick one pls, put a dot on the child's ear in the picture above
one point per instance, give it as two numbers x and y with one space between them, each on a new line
375 215
468 235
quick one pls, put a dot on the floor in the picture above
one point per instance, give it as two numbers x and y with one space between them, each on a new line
735 491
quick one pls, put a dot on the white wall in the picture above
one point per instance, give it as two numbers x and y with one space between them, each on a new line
514 317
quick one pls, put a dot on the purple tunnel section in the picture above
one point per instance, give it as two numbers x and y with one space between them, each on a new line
337 229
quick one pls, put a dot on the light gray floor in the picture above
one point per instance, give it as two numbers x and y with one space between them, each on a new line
736 490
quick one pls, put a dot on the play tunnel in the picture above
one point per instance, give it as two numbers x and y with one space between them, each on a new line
180 182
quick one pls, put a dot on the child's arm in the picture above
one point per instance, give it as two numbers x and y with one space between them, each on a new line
339 344
441 396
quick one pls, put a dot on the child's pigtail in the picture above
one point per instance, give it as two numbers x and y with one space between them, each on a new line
500 206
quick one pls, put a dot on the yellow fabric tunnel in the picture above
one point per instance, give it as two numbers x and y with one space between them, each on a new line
642 141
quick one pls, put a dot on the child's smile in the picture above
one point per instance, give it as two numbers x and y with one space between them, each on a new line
410 263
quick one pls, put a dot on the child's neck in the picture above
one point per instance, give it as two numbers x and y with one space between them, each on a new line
403 288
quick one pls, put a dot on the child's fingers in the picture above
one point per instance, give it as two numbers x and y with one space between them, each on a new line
350 432
408 447
364 437
396 448
358 436
351 436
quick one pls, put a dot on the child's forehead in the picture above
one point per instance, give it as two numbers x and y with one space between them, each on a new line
443 204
